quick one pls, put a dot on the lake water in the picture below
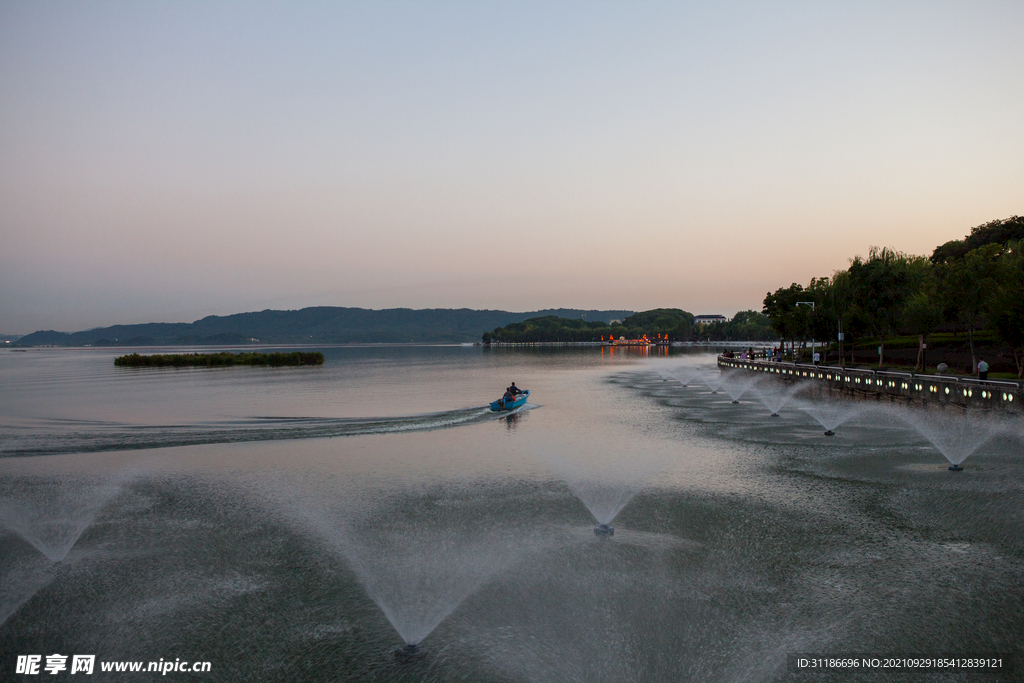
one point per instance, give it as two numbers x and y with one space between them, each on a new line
292 524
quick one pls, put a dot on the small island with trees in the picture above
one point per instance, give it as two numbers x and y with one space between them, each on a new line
218 360
664 325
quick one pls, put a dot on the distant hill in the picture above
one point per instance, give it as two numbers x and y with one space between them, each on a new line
316 325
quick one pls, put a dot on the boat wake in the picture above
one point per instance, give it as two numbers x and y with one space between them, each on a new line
51 437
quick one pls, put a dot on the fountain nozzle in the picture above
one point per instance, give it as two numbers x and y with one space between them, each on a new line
955 468
408 652
604 530
774 414
735 401
829 432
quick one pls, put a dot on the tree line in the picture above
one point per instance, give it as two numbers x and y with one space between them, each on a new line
660 324
972 286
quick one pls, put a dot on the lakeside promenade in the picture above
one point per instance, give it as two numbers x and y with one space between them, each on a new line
907 387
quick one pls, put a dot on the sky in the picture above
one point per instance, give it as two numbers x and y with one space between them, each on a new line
163 161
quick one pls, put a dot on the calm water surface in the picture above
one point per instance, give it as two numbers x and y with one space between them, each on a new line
306 523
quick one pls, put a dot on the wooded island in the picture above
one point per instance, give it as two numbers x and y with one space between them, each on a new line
660 324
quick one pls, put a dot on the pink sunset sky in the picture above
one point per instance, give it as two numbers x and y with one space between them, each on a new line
163 161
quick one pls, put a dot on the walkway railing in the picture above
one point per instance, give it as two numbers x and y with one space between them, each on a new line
950 389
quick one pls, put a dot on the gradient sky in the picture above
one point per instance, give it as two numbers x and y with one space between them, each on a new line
166 161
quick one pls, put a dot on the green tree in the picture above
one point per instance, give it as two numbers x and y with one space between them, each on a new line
880 287
675 322
1008 303
836 311
1000 231
826 319
750 326
968 286
788 319
921 315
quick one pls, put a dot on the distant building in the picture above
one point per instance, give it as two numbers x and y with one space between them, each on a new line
708 319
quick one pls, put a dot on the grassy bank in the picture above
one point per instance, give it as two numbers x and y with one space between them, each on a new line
217 360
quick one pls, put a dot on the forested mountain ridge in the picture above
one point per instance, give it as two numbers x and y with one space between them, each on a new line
314 325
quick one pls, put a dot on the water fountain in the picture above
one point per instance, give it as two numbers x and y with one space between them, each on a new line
678 373
831 413
956 436
52 515
738 382
775 394
604 481
684 374
418 553
664 373
408 653
604 499
419 575
712 377
23 580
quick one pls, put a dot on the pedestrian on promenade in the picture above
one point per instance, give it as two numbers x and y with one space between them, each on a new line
982 370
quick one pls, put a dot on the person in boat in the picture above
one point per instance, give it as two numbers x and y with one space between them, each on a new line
509 396
514 389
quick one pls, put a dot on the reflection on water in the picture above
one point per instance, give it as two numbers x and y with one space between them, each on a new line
243 534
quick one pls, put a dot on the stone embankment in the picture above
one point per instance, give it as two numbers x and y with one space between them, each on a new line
906 387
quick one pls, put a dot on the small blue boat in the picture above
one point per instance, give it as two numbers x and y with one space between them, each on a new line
509 404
